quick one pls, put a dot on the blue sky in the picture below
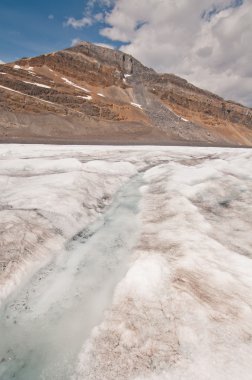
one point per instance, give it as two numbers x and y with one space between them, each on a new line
27 30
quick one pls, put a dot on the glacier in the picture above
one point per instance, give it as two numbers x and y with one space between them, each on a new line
125 263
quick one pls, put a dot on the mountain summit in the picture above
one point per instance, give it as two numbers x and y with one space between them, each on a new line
92 94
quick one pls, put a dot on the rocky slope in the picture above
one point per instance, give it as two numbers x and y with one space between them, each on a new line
91 94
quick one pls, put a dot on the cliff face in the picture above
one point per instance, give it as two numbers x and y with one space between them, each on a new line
91 94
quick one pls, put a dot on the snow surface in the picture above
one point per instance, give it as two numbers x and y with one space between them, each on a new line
35 188
30 70
100 94
74 85
72 291
136 105
16 67
88 97
182 305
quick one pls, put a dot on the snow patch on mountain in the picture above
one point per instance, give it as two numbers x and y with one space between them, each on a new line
74 85
88 97
136 105
37 84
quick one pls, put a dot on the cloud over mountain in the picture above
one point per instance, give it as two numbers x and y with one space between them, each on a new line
206 42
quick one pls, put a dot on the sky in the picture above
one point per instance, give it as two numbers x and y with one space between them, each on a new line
207 42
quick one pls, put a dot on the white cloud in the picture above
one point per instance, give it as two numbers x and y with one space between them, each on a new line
99 17
79 23
206 42
89 15
75 41
1 62
51 17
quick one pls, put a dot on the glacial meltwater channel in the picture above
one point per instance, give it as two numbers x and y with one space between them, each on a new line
45 323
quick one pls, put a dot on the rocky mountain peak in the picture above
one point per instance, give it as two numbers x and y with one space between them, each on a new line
122 61
89 93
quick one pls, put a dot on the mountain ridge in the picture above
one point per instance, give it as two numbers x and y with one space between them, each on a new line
92 94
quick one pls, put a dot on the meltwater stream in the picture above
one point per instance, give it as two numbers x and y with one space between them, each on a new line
44 325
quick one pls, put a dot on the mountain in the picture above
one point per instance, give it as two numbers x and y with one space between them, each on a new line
92 94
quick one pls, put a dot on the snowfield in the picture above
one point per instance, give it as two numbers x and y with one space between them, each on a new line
127 263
